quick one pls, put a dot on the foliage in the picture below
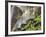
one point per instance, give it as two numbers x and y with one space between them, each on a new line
32 24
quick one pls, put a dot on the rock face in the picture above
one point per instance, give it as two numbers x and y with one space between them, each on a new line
16 11
21 14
